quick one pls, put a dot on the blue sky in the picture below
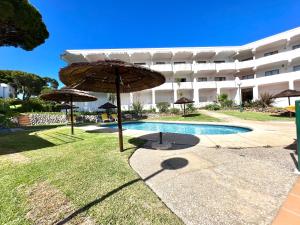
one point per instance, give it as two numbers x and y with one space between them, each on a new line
82 24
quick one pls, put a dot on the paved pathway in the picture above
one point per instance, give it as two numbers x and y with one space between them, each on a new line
210 186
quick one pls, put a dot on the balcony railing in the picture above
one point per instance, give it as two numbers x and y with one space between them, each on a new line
162 67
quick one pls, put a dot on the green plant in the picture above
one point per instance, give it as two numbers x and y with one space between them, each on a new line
112 97
190 108
163 107
137 108
213 106
151 110
266 100
224 101
174 111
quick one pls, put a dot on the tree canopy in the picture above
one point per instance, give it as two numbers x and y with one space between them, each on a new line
27 84
21 25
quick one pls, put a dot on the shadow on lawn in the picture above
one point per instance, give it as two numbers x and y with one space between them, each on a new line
27 141
169 164
192 115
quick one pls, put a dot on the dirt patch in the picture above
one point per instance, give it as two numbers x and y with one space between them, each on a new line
15 158
49 206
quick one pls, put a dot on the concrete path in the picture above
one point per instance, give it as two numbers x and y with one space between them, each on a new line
210 186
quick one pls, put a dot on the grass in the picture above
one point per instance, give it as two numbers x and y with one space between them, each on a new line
87 168
259 116
197 117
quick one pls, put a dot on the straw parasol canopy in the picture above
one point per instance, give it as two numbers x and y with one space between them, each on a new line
287 94
183 101
68 95
107 105
110 76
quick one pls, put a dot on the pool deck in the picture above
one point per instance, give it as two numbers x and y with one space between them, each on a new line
229 179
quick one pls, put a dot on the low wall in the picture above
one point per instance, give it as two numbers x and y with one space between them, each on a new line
44 118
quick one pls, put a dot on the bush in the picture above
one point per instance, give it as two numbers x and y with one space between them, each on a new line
266 100
174 111
163 107
137 108
213 106
190 108
151 110
224 101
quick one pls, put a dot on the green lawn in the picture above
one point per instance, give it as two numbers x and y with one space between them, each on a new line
197 117
259 116
86 168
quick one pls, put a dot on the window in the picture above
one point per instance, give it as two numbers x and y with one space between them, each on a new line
140 63
201 62
296 46
183 62
246 77
219 61
159 63
202 79
271 53
296 68
220 78
271 72
182 79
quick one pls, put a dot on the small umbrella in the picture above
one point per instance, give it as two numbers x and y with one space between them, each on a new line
68 95
67 106
107 106
110 76
183 101
287 93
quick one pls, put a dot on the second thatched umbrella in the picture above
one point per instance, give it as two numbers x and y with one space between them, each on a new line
110 76
68 95
107 106
183 101
287 94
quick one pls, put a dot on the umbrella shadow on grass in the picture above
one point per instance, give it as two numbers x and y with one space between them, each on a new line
169 164
178 141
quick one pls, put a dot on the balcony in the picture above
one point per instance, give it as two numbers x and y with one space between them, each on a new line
184 85
226 84
162 67
165 86
278 78
182 67
226 66
204 67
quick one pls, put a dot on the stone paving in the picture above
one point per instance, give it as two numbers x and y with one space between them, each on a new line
220 179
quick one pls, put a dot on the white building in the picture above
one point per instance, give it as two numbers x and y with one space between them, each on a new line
6 91
269 65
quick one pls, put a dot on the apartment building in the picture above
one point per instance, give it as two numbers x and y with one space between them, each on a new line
269 65
6 91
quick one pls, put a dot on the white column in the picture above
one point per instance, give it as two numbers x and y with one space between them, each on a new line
237 98
130 100
291 85
175 94
196 95
255 93
153 98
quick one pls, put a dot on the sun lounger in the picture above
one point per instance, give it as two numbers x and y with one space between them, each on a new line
114 117
104 117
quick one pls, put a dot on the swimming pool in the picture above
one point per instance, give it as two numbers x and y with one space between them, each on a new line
183 128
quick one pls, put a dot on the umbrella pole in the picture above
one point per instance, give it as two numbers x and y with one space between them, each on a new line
183 109
72 122
119 109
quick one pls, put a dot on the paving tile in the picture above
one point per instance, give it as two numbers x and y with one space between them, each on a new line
293 204
286 218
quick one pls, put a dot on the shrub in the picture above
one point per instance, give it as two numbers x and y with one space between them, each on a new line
174 111
151 110
163 107
266 100
190 108
224 101
213 106
137 108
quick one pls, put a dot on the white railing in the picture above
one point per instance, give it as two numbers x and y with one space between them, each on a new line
204 67
226 66
182 67
162 67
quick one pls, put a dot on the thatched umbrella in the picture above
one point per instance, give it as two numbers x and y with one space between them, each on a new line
110 76
68 95
287 94
107 106
183 101
67 106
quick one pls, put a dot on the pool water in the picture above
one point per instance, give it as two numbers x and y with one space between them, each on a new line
182 128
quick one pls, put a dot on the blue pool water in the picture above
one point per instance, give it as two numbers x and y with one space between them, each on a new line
183 128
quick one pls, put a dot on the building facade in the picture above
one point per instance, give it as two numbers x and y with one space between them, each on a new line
269 65
6 91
